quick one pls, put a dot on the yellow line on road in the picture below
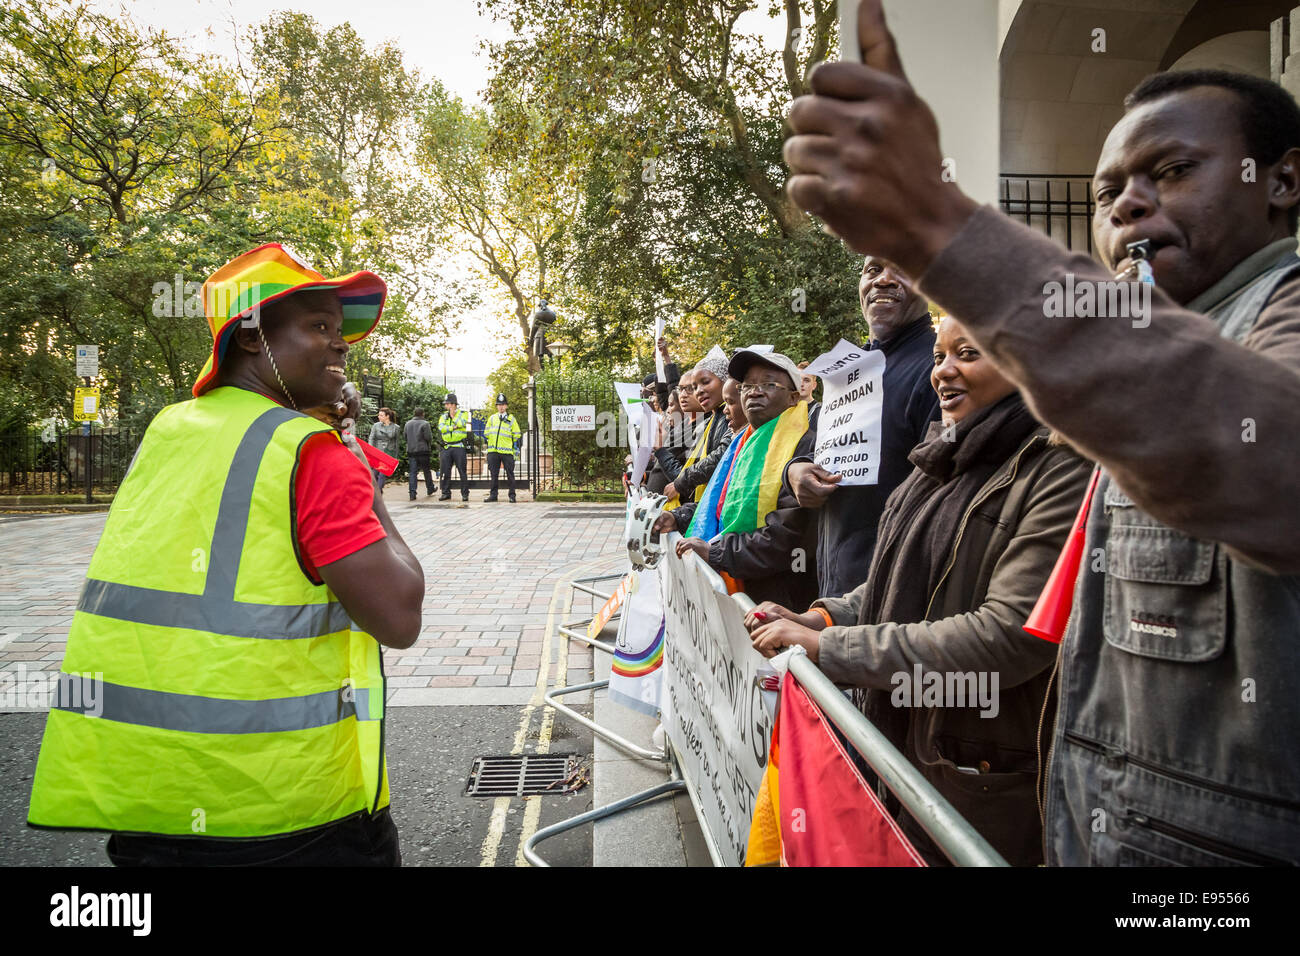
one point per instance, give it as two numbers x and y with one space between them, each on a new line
501 806
533 809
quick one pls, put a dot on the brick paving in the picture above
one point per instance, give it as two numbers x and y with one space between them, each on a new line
491 571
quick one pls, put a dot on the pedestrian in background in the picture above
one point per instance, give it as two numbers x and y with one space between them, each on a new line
419 439
453 426
383 435
501 437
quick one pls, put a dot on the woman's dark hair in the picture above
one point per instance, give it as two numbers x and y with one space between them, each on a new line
392 415
1270 119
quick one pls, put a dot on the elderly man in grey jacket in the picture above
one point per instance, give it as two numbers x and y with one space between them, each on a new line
1175 732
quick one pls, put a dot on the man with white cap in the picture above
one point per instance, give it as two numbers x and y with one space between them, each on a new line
746 525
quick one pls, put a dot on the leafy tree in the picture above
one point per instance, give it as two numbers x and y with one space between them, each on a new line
494 186
674 120
131 168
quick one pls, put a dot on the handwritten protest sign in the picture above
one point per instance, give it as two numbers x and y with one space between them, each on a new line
848 432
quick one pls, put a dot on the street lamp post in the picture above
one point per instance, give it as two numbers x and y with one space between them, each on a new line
543 316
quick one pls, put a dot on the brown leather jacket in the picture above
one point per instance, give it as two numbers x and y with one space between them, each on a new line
1002 553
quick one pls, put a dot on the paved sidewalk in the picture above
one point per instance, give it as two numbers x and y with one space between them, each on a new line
491 572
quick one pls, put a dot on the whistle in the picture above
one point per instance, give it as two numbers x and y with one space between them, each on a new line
1140 253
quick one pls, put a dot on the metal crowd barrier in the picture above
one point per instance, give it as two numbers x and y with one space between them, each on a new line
951 832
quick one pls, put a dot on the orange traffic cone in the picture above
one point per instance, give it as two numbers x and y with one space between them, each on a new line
1052 612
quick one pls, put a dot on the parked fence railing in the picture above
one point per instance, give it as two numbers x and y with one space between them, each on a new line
950 831
58 462
1061 207
576 461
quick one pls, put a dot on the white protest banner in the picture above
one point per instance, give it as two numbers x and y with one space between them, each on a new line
848 431
715 714
660 374
573 418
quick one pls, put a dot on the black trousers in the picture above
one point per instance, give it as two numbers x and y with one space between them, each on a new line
362 840
419 462
449 457
495 460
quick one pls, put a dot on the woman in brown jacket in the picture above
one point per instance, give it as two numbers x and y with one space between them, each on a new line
935 636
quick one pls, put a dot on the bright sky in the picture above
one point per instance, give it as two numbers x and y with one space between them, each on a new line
439 38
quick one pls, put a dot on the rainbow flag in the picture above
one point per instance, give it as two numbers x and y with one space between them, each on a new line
639 665
704 523
755 479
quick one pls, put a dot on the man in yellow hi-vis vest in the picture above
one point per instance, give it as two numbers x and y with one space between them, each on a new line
501 437
453 426
229 630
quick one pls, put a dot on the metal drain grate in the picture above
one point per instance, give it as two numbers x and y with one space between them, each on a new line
519 775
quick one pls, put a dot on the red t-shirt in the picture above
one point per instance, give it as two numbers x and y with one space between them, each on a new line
334 502
334 494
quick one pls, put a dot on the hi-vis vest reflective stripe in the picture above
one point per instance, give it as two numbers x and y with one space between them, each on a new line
500 434
236 699
454 430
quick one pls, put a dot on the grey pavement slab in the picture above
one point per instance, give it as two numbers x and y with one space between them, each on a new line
491 589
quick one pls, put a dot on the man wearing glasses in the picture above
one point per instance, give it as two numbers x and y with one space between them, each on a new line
758 536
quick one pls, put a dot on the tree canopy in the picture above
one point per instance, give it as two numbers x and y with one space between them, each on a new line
625 163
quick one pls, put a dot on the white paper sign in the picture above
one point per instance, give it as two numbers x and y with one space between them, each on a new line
848 431
635 407
87 361
573 418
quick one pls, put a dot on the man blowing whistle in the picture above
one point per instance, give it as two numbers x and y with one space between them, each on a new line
1179 666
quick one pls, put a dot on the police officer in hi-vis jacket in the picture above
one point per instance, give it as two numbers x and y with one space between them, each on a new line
501 437
453 426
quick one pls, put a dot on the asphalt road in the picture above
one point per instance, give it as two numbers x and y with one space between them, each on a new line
430 753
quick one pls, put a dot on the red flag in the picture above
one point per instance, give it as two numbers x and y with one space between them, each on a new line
383 463
1051 614
829 816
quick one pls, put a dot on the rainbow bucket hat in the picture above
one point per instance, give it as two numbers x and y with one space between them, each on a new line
271 272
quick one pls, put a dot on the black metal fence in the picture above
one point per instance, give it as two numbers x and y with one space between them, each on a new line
58 462
585 459
1059 206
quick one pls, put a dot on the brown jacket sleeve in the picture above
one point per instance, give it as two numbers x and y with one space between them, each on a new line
990 638
845 609
1170 409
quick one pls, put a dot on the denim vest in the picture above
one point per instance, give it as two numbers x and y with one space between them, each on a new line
1180 691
